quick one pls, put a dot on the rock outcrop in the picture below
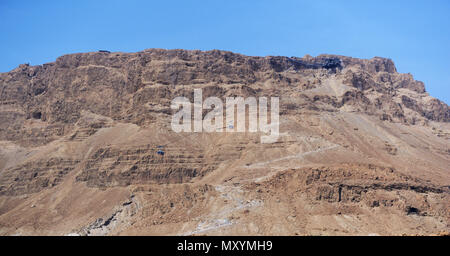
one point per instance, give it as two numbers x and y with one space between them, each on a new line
359 142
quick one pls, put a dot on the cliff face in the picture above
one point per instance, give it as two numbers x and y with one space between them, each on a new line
88 126
118 86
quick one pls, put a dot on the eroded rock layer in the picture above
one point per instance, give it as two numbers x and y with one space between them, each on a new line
86 148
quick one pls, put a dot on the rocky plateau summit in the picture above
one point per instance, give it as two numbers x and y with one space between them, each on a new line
363 149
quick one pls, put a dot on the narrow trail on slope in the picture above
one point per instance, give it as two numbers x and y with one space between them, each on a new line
299 155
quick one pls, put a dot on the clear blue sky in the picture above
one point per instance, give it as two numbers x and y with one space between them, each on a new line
415 34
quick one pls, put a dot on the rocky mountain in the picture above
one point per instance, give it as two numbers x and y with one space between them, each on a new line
363 149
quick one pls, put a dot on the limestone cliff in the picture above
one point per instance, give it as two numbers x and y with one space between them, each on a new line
364 149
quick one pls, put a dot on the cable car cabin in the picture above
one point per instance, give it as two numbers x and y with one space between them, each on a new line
160 152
